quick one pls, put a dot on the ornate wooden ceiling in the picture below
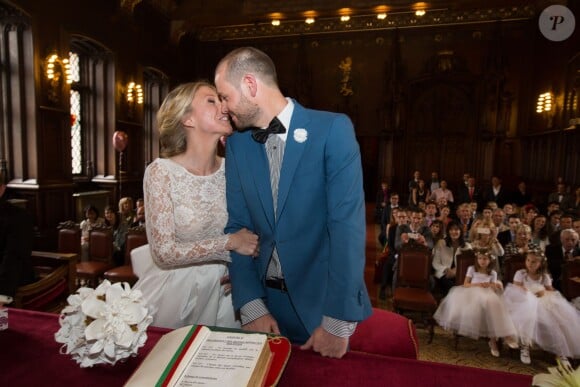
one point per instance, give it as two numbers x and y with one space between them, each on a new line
245 19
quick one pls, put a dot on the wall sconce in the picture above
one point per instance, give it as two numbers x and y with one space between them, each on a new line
56 70
134 93
544 104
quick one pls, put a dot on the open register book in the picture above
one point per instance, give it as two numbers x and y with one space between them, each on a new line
199 356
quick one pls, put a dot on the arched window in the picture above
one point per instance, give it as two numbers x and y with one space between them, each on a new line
156 88
92 106
16 85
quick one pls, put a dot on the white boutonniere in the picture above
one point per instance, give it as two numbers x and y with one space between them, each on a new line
300 135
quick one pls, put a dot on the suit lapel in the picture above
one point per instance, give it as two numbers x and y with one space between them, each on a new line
292 154
257 164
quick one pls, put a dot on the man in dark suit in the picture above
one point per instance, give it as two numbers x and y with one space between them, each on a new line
521 196
557 255
508 236
495 193
470 193
16 233
386 216
298 185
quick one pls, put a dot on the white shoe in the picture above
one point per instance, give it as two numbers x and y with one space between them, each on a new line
525 355
511 342
493 348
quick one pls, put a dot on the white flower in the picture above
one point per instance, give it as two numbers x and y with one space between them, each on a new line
300 135
103 325
561 376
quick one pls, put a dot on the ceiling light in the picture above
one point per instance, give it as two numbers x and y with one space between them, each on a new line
420 12
344 18
309 20
276 22
381 16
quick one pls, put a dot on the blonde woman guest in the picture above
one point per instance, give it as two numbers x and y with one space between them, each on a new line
185 210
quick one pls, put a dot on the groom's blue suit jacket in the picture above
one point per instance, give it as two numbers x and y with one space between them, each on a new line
319 229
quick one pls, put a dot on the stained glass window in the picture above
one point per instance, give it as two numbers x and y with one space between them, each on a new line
75 117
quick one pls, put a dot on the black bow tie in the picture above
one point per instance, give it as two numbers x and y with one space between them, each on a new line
261 135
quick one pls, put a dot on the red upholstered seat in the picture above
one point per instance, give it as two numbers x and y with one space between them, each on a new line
100 257
69 238
135 237
386 333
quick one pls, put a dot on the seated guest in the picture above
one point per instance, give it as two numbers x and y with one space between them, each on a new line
558 254
445 255
91 221
554 225
126 209
437 230
113 220
444 217
16 234
522 244
540 232
499 220
509 235
415 230
464 219
139 220
430 212
566 220
530 212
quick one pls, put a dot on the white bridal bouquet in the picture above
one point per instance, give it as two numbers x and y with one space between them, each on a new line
103 325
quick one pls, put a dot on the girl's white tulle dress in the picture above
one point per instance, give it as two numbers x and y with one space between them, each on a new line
549 321
475 311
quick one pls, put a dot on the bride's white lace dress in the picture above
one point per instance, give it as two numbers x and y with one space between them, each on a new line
185 219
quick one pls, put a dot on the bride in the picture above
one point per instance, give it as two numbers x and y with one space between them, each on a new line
186 279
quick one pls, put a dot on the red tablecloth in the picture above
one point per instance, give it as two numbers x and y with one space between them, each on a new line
29 356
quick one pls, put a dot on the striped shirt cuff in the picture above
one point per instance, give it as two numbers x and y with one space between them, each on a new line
253 310
337 327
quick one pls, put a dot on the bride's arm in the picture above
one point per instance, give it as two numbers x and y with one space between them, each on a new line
159 213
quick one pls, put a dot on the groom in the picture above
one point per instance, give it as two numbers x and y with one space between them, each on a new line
295 179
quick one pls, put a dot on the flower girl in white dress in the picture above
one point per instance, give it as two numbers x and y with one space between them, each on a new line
477 309
541 315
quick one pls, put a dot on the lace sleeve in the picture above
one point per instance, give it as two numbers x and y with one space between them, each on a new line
168 250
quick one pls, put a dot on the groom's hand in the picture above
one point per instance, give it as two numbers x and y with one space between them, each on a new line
326 344
266 324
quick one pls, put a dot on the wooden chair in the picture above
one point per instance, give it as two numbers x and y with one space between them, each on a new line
136 237
56 274
91 273
570 277
511 265
412 291
69 238
464 260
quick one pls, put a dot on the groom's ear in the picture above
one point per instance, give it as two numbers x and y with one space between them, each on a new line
250 85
